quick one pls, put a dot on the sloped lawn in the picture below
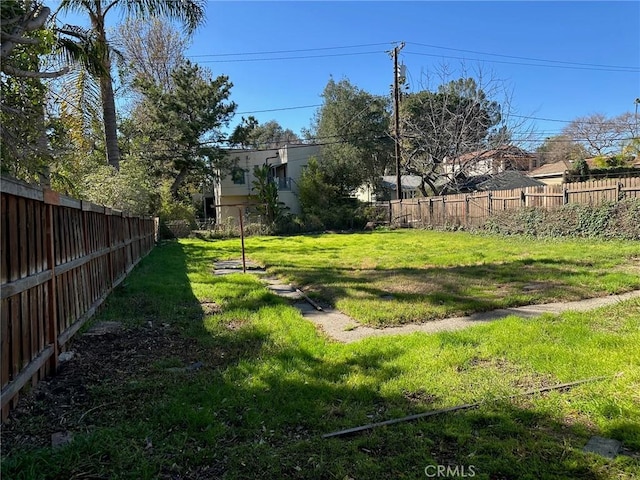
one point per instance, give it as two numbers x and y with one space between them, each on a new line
215 377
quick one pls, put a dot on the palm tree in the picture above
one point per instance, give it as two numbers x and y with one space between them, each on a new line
189 12
23 128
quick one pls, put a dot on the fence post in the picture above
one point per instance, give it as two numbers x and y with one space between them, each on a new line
444 211
523 199
466 211
619 192
489 203
565 195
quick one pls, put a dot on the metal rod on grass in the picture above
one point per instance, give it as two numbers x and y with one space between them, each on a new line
244 265
466 406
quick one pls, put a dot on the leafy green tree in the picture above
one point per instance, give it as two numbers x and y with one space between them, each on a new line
262 136
580 170
315 193
184 124
457 118
190 12
352 127
560 148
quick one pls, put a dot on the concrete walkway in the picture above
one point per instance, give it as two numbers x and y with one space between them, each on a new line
342 328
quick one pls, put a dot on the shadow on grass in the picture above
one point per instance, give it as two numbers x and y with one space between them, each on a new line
456 289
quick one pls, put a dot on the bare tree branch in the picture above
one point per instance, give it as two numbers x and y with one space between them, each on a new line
9 70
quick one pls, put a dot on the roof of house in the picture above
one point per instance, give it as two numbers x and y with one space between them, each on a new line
407 182
508 180
558 168
550 169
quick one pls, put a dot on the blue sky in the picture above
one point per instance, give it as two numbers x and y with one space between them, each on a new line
558 60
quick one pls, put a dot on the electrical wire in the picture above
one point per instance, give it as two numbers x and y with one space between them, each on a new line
522 58
291 51
572 67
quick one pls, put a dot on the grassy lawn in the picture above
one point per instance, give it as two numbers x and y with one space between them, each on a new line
270 386
409 276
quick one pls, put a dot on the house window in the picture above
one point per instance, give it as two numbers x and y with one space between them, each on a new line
237 175
407 194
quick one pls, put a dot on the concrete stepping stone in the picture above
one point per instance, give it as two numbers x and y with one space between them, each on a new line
605 447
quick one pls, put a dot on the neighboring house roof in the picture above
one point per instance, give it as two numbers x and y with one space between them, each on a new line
508 180
407 182
550 170
557 169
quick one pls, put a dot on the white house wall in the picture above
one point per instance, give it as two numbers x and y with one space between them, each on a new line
296 157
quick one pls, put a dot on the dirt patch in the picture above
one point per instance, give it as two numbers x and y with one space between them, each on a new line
210 308
420 397
63 403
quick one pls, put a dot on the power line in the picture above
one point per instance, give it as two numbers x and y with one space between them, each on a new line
522 58
290 51
560 63
527 64
280 109
302 57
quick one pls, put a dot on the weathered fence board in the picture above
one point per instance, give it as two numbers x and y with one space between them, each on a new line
473 209
59 260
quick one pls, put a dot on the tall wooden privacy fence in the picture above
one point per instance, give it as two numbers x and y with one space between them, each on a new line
60 259
473 209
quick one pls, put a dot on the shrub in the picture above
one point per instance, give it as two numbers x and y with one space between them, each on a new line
608 220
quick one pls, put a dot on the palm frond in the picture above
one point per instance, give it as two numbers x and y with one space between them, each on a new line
190 12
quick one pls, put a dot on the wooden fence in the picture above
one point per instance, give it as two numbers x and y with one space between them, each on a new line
473 209
60 259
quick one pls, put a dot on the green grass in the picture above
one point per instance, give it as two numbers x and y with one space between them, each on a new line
409 276
271 385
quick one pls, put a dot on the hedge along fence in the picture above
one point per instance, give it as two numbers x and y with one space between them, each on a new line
474 209
60 259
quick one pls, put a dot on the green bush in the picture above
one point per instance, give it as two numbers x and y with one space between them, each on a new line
608 220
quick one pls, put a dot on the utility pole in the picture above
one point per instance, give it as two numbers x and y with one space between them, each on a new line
637 101
396 111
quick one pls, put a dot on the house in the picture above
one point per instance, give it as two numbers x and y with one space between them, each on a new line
410 185
489 162
551 173
466 172
286 163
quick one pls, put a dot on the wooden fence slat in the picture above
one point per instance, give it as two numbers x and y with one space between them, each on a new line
12 233
5 332
4 243
14 324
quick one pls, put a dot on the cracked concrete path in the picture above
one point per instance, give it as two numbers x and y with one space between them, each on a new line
343 328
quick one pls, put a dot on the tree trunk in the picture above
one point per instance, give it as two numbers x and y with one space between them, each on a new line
110 125
106 91
177 183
